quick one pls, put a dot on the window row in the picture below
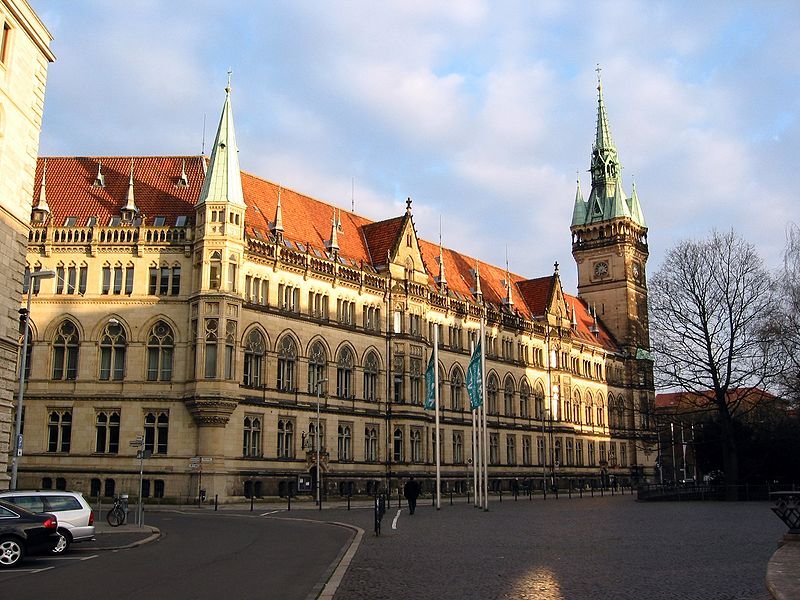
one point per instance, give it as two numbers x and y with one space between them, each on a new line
114 280
155 425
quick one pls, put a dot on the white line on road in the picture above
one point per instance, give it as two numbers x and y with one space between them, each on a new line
272 512
72 557
397 516
41 570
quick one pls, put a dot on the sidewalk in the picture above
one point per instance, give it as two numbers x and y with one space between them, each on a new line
117 538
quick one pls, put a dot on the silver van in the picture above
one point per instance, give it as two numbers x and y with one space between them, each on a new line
75 516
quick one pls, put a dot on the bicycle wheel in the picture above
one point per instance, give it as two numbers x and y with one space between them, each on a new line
115 517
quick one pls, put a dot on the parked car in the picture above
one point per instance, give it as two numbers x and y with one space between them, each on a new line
23 532
75 516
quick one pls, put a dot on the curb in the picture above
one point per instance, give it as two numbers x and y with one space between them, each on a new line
155 533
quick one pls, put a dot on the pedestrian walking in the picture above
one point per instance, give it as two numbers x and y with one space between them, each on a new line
411 492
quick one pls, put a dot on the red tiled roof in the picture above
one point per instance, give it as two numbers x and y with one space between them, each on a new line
687 401
70 192
585 322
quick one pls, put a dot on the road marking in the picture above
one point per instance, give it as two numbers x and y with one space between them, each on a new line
272 512
72 557
397 516
41 570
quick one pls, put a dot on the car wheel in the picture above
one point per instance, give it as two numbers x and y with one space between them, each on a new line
63 543
12 552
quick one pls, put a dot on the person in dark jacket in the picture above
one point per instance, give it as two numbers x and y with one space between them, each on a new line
411 492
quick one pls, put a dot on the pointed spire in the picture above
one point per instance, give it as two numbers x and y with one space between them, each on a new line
579 209
277 226
130 202
477 290
100 180
636 208
508 300
595 329
574 320
333 243
603 137
42 203
442 278
223 182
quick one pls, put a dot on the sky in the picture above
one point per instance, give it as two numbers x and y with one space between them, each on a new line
483 112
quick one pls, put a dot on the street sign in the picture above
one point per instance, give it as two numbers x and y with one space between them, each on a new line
207 459
137 442
141 454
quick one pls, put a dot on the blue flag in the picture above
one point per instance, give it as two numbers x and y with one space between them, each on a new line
430 385
474 379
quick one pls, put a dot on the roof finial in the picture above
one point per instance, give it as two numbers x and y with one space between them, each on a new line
100 180
599 83
130 202
42 204
442 278
555 268
333 243
509 300
478 292
277 226
183 181
408 206
228 87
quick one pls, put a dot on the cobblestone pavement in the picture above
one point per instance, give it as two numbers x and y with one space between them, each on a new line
590 548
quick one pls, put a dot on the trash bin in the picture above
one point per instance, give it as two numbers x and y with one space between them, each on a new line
124 499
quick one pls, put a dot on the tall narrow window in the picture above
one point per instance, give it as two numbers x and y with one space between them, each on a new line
230 346
251 442
415 380
129 280
508 397
163 285
397 445
524 400
344 374
106 279
457 390
112 352
371 376
416 445
317 365
160 347
494 448
152 282
254 349
212 337
285 438
214 271
370 444
156 432
344 443
65 351
287 357
118 280
107 432
83 275
59 431
176 281
491 394
458 447
60 279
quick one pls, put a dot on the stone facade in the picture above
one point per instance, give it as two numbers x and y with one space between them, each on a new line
24 58
221 317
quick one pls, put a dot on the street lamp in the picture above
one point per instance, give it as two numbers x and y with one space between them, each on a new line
33 276
316 435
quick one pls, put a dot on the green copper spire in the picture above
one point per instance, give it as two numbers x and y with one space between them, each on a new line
607 199
223 182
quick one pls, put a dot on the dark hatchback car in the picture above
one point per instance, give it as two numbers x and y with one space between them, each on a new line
23 532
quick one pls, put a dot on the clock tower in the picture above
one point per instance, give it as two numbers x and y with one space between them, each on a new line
609 244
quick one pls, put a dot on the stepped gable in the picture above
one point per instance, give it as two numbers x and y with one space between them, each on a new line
70 192
381 237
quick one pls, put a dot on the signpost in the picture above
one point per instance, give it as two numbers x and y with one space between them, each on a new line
196 463
141 454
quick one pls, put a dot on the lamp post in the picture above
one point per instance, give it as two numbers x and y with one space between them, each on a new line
316 444
33 276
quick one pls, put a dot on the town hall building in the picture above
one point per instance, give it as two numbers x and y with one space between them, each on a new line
230 328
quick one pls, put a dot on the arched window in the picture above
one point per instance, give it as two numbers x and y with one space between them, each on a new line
107 432
160 349
287 358
65 351
156 432
251 438
508 397
524 400
600 411
458 448
370 444
317 367
567 414
576 406
588 409
538 402
457 390
397 445
345 443
59 431
215 271
344 373
491 394
285 438
416 445
254 350
612 412
311 439
371 376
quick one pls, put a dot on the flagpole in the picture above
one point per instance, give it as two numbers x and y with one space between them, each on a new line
475 489
436 406
483 410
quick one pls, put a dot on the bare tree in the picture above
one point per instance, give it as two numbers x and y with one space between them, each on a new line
708 305
785 325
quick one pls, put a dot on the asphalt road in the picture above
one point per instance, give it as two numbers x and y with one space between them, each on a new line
199 556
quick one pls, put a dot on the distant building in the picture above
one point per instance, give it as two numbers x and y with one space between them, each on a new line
211 313
24 57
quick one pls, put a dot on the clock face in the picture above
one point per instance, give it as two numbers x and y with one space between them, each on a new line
601 269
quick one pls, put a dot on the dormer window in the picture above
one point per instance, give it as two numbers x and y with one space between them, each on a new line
159 221
91 221
180 221
114 221
70 221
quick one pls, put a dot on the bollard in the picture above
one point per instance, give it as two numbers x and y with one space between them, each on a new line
252 500
580 492
515 495
451 497
569 491
556 492
602 492
216 501
348 502
544 492
289 502
501 494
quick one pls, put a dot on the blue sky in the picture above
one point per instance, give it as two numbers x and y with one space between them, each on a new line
483 112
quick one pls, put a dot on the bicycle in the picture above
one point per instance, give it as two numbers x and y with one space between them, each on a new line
116 515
